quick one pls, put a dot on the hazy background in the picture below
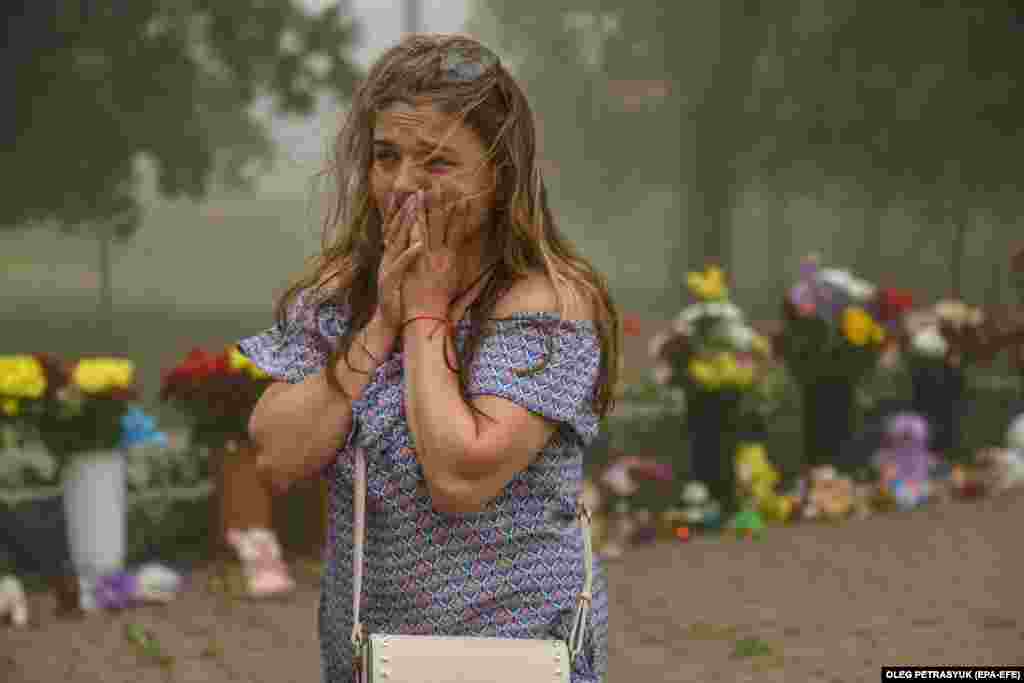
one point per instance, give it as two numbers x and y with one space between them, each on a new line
624 96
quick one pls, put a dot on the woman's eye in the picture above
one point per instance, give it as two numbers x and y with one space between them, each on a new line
440 164
383 155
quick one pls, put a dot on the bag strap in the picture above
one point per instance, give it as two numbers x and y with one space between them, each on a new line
579 626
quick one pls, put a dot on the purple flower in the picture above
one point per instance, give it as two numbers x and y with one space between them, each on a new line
116 590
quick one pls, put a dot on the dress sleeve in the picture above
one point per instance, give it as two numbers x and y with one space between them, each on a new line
299 347
548 366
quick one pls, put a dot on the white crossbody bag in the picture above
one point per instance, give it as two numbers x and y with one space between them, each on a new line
383 658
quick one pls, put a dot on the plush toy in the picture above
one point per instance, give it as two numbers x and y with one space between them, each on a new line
13 604
904 461
700 511
747 523
829 495
265 573
757 479
156 583
1001 469
621 528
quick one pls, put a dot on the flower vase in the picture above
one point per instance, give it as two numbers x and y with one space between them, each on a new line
94 507
712 428
938 394
829 415
244 500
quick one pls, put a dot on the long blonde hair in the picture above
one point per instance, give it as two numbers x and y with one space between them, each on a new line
523 232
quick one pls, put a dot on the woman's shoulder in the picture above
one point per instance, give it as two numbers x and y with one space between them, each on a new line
536 295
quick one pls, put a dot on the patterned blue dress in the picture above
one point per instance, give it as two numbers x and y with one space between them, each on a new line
513 570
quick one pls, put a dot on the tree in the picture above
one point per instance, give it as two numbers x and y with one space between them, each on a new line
95 85
784 93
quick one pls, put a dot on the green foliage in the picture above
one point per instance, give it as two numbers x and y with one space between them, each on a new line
96 85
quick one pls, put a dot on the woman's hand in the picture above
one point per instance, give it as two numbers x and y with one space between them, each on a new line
432 280
398 255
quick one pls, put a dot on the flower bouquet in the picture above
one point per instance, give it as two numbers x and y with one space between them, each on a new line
940 343
217 393
22 397
85 411
720 362
835 328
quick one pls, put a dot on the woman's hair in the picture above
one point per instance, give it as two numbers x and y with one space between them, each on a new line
461 78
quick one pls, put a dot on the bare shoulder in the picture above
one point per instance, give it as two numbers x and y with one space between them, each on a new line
535 293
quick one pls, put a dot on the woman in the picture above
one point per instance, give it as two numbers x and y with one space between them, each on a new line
453 333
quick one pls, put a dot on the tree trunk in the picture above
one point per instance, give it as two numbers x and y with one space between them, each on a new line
106 300
959 247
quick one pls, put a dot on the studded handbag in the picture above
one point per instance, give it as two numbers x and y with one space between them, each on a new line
385 658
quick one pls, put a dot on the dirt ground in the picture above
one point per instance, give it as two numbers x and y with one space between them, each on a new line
811 602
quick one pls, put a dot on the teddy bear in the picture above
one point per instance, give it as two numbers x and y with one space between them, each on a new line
13 604
829 495
904 462
265 573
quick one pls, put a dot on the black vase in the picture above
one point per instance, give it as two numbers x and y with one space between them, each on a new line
829 419
713 434
34 535
938 393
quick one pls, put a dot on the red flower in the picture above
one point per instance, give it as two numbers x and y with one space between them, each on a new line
893 303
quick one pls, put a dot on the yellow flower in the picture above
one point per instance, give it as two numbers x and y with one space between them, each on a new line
760 345
96 375
21 376
709 285
10 407
858 326
704 373
241 362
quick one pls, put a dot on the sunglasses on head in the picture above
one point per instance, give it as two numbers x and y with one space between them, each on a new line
465 64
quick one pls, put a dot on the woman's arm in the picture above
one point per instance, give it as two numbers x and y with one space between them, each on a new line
466 458
298 428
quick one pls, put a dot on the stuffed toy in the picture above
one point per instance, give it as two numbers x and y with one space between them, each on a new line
13 604
904 462
829 495
758 479
621 529
1001 469
698 508
265 573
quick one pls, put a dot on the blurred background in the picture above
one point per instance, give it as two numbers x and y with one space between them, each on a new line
162 183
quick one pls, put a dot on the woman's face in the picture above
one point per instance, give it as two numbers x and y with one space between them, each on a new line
418 147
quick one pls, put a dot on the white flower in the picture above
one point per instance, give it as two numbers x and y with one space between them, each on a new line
662 374
929 342
724 309
695 493
835 277
843 280
862 290
692 312
740 336
657 343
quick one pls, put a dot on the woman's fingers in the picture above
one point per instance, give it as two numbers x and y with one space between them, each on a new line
396 238
397 268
